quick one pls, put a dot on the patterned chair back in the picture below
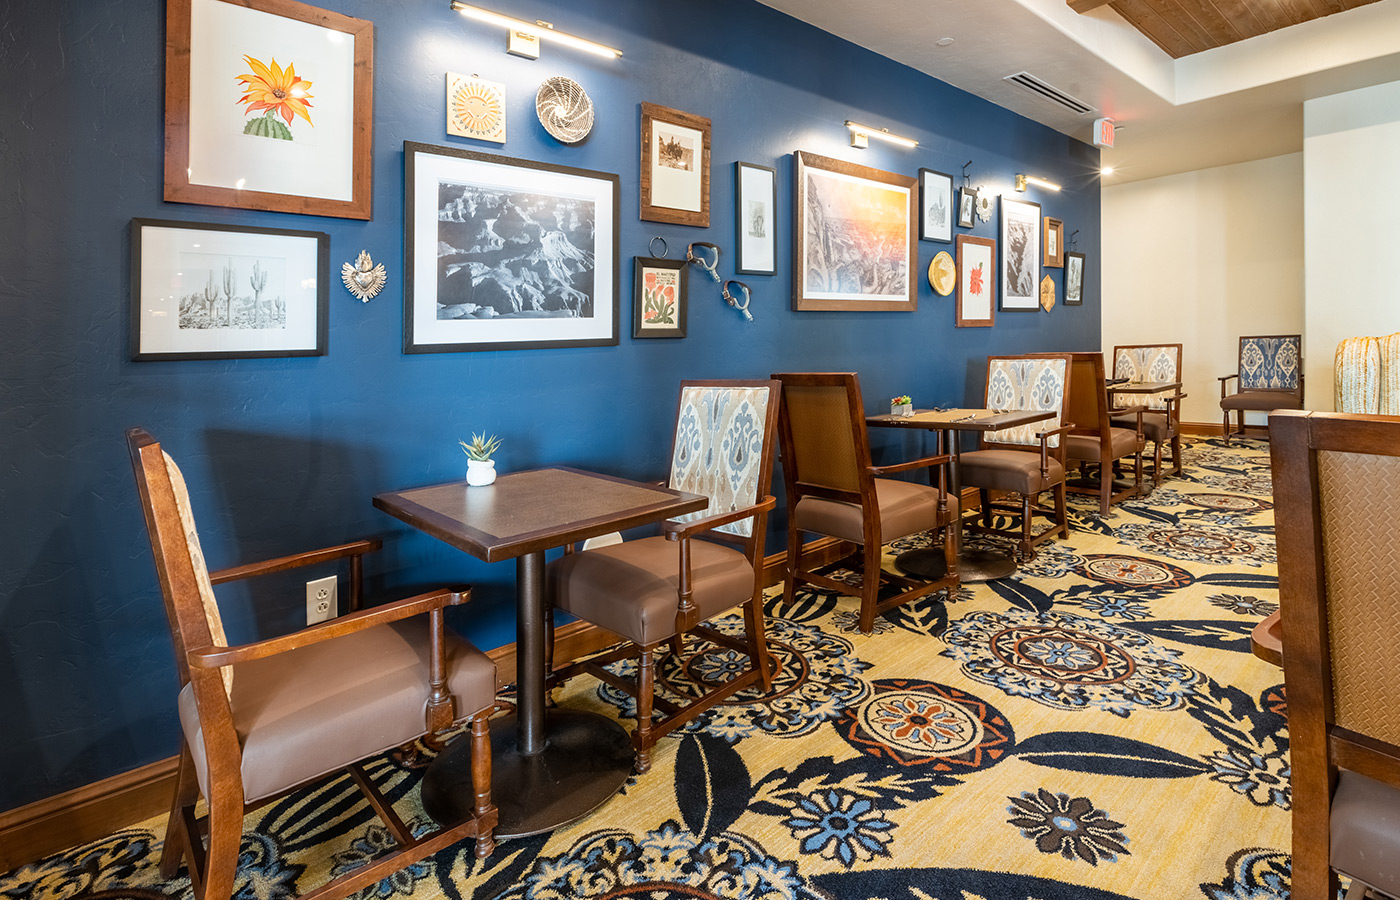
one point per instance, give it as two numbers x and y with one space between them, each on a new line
723 449
1146 362
1271 362
1025 383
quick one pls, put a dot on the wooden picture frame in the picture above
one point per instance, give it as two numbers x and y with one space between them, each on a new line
967 207
202 291
755 219
675 180
1054 243
1020 255
311 158
935 206
659 302
1075 264
977 281
465 289
838 201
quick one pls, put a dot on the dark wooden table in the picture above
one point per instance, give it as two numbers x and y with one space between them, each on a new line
548 768
973 565
1143 387
1266 639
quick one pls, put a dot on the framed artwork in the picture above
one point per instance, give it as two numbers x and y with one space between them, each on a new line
476 108
977 281
936 206
1074 278
853 236
203 291
755 219
658 297
675 166
1020 255
504 253
1054 244
269 104
967 207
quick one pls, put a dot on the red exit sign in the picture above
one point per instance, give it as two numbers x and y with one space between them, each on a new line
1103 132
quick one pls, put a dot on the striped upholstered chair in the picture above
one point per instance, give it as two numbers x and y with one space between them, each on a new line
1161 423
1270 377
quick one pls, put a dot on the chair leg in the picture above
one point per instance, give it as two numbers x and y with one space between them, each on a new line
758 641
481 780
225 835
1105 487
1137 473
1239 417
1176 454
677 645
984 499
794 561
177 836
1156 464
1026 519
1061 510
869 589
646 685
1226 429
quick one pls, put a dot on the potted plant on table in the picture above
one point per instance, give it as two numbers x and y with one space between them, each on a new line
481 468
901 406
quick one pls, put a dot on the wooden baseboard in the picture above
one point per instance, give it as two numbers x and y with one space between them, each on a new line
1214 429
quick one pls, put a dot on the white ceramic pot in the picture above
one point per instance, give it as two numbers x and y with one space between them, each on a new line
481 471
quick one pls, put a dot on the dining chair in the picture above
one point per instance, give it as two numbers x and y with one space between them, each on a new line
1269 377
1027 460
262 718
1336 492
834 490
655 590
1161 423
1094 440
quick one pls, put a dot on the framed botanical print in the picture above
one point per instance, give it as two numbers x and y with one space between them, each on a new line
977 281
967 207
755 218
1054 243
935 206
1020 255
658 297
504 253
269 104
1074 278
853 236
675 166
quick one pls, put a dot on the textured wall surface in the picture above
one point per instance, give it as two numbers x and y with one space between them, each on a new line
284 455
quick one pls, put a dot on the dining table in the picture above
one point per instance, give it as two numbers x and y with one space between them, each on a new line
975 564
553 766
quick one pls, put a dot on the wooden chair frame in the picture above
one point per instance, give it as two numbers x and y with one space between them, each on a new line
1173 412
1092 417
1293 397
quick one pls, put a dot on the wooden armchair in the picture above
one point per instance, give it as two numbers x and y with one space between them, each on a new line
1161 423
1270 376
656 590
1337 490
833 489
1095 440
261 719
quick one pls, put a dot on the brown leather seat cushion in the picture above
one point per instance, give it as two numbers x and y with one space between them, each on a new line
630 588
1366 831
906 508
1154 425
1086 446
1265 400
1009 470
310 711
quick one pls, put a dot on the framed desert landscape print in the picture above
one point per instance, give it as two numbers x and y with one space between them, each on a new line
977 281
658 297
1074 278
935 206
755 218
504 253
269 104
1020 255
853 241
1054 243
675 166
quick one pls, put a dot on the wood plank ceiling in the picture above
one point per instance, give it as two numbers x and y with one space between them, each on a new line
1183 27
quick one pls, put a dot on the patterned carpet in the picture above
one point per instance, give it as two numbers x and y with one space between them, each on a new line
1094 727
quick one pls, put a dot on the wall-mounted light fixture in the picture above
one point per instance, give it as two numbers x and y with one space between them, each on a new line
525 36
1023 180
861 133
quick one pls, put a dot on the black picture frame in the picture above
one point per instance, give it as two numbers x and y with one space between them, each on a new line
1075 265
935 206
967 207
642 295
755 219
182 309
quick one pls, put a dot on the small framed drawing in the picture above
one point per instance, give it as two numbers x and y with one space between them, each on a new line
269 104
967 207
503 254
755 214
977 282
1074 278
1020 255
202 291
936 206
658 297
1054 243
675 166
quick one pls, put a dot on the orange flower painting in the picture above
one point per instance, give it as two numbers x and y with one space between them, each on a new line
274 91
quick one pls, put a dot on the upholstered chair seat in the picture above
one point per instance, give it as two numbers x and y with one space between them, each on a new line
1010 470
1156 426
1266 401
1365 831
1121 442
905 508
1270 377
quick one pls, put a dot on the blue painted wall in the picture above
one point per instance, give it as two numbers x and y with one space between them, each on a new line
283 455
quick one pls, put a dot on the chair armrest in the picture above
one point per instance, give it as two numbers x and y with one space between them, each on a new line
923 463
676 531
211 657
1044 437
283 563
1063 429
1227 377
1223 379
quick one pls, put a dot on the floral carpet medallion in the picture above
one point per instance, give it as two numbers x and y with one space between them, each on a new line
1093 727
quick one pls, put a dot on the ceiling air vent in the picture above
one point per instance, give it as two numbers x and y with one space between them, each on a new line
1050 92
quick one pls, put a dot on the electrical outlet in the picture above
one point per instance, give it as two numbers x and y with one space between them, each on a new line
320 599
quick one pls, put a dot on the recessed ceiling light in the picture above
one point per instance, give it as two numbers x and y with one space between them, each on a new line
943 42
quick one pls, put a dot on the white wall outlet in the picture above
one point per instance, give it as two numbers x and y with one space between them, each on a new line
320 599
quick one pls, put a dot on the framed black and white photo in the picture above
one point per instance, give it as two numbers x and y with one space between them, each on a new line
935 206
675 166
1054 246
967 206
504 253
1074 278
203 291
1020 255
658 297
755 214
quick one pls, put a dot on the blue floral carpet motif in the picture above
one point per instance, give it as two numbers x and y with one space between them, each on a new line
1093 727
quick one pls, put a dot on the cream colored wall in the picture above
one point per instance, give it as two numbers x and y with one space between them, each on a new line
1201 258
1351 145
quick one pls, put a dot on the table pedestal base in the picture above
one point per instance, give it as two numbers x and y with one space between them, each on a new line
585 761
975 565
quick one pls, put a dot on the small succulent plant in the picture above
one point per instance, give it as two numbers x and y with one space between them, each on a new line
481 447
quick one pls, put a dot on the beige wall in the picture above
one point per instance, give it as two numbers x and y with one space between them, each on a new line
1201 258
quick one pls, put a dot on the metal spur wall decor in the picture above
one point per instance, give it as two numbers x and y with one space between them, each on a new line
364 278
734 301
711 268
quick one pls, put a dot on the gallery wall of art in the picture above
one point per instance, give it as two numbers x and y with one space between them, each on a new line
283 452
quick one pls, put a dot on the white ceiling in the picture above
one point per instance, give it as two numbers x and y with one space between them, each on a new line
1235 103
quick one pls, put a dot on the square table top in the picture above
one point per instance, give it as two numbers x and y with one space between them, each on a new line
525 512
1143 387
962 419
